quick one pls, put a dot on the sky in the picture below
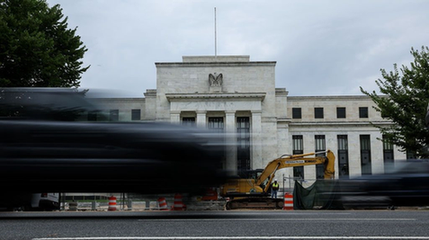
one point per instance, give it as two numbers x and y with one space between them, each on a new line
322 48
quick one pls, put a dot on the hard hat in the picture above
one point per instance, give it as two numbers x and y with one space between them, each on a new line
275 180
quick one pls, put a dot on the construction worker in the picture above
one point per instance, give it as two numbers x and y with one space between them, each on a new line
274 189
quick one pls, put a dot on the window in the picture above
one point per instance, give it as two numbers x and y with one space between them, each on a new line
320 147
387 154
243 144
363 112
296 113
341 112
188 121
365 154
343 156
298 148
114 115
135 114
318 112
216 123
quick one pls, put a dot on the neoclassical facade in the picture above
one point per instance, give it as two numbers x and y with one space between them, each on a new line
237 96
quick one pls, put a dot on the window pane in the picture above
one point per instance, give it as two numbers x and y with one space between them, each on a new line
216 123
342 142
341 112
318 112
297 144
188 121
296 112
343 156
243 144
363 112
298 172
320 143
365 146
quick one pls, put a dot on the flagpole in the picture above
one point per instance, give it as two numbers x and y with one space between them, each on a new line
215 32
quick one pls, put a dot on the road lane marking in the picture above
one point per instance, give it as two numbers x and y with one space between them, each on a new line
235 237
278 219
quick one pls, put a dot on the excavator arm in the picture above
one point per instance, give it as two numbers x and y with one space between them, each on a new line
286 161
250 193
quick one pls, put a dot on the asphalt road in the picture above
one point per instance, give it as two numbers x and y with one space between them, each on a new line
375 224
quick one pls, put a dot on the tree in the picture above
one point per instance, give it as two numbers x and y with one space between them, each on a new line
404 101
36 48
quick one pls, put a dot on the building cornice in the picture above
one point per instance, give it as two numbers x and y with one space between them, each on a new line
211 64
340 97
212 96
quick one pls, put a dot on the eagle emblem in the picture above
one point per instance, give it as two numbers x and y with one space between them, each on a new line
215 80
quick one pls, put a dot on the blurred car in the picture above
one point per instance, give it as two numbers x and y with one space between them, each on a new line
44 149
406 184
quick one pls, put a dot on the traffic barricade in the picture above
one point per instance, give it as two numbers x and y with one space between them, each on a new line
162 203
288 201
112 203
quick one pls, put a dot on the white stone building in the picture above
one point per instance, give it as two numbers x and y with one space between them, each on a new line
236 95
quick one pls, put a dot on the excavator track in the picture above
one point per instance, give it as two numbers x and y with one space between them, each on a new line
255 203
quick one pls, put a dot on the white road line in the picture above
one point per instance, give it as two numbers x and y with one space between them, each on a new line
278 219
235 237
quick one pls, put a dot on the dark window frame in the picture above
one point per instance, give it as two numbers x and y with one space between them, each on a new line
216 123
298 148
318 112
296 113
341 112
388 155
363 112
243 144
365 149
320 146
343 156
189 121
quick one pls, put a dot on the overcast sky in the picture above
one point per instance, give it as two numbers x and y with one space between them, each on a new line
321 47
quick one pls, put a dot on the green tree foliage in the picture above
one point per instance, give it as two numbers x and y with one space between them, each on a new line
36 48
404 100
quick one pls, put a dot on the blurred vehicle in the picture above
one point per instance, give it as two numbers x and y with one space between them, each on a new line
254 192
24 201
44 149
45 201
407 184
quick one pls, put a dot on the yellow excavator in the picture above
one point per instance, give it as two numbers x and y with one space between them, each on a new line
254 192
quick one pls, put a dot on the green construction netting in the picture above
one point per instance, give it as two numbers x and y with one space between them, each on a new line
320 195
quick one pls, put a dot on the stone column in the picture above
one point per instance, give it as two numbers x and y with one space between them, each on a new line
231 140
175 116
256 140
201 119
